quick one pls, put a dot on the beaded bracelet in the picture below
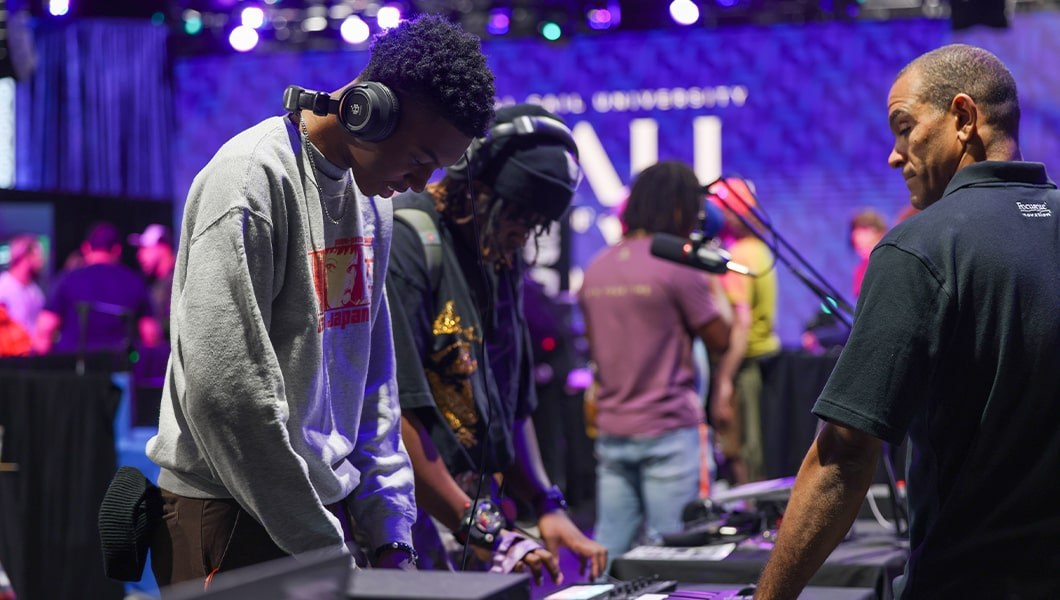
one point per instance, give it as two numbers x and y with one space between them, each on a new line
398 546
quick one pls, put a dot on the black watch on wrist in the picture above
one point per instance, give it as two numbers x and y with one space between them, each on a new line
481 524
548 501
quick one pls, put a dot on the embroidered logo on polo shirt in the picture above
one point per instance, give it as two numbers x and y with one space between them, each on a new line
1034 210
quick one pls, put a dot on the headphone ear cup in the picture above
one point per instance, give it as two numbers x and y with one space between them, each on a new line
460 167
369 111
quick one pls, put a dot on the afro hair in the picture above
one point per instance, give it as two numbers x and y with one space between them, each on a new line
436 62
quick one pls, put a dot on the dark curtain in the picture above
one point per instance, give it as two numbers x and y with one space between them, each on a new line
97 116
791 383
59 429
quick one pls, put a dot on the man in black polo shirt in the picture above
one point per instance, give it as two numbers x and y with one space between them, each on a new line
956 342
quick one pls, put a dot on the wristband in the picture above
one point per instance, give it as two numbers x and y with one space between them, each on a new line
398 546
512 549
548 501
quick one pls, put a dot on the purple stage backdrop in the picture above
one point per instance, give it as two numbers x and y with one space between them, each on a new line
799 110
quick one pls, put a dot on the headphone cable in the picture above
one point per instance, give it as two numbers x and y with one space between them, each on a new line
476 232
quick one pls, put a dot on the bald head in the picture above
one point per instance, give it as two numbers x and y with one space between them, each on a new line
948 109
963 69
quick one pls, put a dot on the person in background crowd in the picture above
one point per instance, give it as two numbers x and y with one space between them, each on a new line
279 432
14 341
102 305
825 330
465 369
737 381
866 230
154 252
641 316
19 292
956 342
72 261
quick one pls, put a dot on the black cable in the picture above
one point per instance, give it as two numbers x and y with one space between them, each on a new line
476 232
901 515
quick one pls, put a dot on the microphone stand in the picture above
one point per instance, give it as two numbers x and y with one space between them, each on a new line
824 290
832 300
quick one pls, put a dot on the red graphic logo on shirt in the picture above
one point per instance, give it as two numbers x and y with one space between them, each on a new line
342 277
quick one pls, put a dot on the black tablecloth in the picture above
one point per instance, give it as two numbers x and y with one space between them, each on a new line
792 382
871 559
59 430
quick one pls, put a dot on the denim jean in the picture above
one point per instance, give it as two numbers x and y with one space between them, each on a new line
644 482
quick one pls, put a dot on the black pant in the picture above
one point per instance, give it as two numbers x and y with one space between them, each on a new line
198 537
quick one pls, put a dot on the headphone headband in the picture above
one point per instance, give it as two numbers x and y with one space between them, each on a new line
523 125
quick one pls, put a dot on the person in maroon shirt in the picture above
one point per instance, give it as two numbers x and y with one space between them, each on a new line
642 314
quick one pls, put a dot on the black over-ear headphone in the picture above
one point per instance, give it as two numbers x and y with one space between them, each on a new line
368 110
477 155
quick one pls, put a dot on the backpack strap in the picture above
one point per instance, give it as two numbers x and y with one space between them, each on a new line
429 237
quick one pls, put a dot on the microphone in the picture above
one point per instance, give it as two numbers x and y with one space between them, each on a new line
694 254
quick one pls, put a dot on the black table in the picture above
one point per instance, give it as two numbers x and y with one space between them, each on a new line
810 593
871 559
791 382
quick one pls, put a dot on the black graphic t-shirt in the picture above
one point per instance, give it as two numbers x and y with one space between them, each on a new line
444 374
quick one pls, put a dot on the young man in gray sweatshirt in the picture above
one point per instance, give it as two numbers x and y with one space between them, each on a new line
280 419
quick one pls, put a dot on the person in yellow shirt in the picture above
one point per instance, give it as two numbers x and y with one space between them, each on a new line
737 384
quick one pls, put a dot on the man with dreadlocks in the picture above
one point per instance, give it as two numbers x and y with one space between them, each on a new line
462 344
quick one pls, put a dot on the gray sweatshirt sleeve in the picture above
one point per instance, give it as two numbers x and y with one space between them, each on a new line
234 399
384 504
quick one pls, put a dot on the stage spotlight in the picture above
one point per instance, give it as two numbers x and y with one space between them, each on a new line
253 17
339 12
684 12
499 22
551 31
192 22
314 23
58 8
354 30
604 16
388 17
243 38
599 18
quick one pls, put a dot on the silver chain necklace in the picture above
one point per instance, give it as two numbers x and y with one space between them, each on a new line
316 176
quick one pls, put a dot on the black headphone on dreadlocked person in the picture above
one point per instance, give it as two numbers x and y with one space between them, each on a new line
368 110
478 158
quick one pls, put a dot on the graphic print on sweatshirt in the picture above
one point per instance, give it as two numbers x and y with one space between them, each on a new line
342 277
